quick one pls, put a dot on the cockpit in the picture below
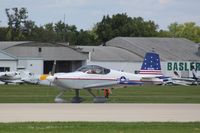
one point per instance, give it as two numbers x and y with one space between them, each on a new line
94 69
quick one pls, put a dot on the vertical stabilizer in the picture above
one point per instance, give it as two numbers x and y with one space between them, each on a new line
151 64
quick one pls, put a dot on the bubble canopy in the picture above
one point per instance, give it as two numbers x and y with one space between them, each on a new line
93 69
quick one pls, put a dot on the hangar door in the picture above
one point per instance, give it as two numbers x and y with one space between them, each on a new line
62 66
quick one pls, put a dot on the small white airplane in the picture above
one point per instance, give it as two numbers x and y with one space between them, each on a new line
14 76
92 77
10 77
37 79
178 80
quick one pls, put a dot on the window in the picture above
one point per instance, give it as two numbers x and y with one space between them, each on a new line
39 50
94 69
137 71
4 69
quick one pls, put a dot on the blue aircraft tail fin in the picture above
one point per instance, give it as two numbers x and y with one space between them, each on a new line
151 64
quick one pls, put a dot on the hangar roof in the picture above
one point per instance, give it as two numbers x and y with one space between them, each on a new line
7 44
47 51
5 56
173 49
109 53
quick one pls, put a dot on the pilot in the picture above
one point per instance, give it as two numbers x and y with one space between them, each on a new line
90 71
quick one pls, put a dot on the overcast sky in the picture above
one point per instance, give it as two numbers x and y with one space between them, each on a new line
85 13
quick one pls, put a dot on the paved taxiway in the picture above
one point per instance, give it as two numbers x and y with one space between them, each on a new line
100 112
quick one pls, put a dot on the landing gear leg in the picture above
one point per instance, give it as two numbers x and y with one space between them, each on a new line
77 98
97 99
58 98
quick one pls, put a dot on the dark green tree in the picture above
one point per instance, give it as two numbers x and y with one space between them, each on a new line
28 30
70 34
16 19
3 32
60 29
187 30
163 33
85 38
125 26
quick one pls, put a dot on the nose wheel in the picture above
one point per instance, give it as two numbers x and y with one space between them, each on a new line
58 98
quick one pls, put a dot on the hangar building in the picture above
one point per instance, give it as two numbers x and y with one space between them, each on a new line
127 54
8 62
39 57
112 57
120 53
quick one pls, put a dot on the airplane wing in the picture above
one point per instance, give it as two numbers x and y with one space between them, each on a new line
184 79
30 81
12 81
7 74
2 74
113 83
153 80
177 82
101 85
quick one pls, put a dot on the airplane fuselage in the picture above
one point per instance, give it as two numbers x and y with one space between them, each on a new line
10 77
81 80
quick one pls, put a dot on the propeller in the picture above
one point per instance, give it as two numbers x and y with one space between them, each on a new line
54 68
51 77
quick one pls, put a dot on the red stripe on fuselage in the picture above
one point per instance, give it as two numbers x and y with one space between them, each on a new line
95 79
155 72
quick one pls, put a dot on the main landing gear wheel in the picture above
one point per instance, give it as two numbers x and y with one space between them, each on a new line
76 99
99 99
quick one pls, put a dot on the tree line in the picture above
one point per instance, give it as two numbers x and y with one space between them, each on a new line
20 28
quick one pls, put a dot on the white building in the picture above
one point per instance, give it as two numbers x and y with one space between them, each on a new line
8 62
120 53
39 57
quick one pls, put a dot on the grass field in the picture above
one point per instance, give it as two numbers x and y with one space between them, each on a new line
136 94
99 127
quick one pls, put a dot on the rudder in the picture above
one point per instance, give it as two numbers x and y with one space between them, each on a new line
151 64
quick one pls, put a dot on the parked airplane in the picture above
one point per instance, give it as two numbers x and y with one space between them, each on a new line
91 77
178 80
96 77
14 76
37 79
10 77
151 71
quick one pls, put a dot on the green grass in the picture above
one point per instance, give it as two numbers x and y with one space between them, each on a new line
136 94
99 127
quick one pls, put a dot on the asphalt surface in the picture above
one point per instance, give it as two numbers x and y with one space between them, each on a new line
100 112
